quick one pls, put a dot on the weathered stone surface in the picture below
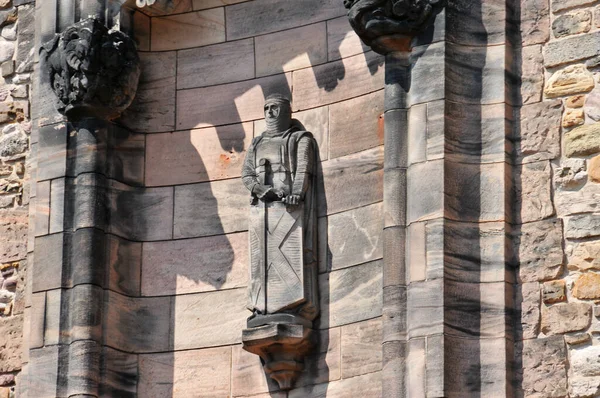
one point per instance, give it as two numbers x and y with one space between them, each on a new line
368 385
352 131
572 23
571 80
532 74
361 348
565 317
529 299
559 5
138 324
533 185
582 226
11 330
13 229
573 117
575 101
584 255
354 237
186 373
216 64
337 81
425 313
257 18
554 291
587 286
188 30
571 49
540 131
359 287
583 140
209 319
425 193
13 144
539 250
535 22
416 256
592 105
342 41
228 103
153 108
141 30
581 387
196 156
583 200
584 362
291 49
195 265
544 364
343 174
324 363
223 209
248 376
577 338
571 174
203 4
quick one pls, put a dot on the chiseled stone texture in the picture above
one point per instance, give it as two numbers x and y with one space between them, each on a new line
554 292
361 348
13 229
544 362
587 286
540 131
583 200
584 362
535 22
533 186
559 5
571 49
207 154
565 317
572 23
529 299
582 226
573 79
532 74
583 387
11 333
186 373
195 265
538 246
570 174
584 255
583 140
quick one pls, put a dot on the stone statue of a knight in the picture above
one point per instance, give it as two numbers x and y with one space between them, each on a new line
280 171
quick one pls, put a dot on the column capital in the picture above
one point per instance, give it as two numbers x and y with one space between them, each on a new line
389 25
94 72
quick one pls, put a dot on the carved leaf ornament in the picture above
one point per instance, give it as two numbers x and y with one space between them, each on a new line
92 71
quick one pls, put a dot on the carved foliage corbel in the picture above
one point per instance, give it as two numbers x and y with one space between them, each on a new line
92 71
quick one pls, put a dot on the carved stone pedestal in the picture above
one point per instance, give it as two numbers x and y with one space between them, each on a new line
282 348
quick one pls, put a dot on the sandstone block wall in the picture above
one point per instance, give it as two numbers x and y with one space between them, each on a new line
557 191
174 307
16 55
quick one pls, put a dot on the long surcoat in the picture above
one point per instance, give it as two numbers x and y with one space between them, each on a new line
283 247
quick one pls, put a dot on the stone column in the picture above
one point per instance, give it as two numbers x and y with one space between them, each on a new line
82 158
447 194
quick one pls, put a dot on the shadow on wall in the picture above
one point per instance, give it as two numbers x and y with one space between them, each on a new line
209 234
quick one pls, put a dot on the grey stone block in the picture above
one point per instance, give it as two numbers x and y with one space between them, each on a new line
476 192
435 376
265 16
137 325
535 22
36 328
528 301
82 317
397 80
394 197
351 131
425 191
153 109
216 64
48 263
538 250
141 213
428 74
84 368
119 374
342 175
44 364
394 313
361 348
42 208
359 287
224 209
544 366
475 133
532 184
355 236
417 134
425 308
124 265
86 202
393 372
57 201
540 132
415 365
394 268
475 75
52 151
436 118
396 139
571 49
223 317
481 24
416 254
54 316
195 265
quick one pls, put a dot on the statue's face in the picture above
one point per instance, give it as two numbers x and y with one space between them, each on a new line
272 111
